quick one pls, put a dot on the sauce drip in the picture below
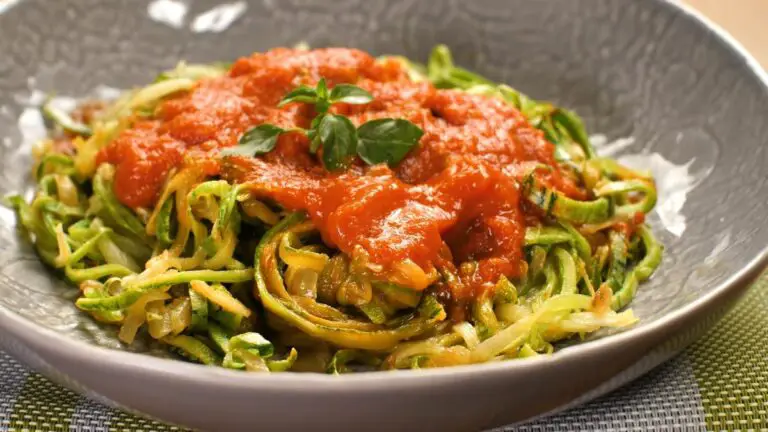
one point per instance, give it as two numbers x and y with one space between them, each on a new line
459 188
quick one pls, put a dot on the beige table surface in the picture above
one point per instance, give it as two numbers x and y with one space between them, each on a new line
747 20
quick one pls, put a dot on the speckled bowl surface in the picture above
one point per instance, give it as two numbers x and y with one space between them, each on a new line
664 89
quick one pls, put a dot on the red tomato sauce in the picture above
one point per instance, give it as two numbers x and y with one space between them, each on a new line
459 188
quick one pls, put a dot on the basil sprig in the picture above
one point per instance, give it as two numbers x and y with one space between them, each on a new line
339 139
346 93
385 140
259 140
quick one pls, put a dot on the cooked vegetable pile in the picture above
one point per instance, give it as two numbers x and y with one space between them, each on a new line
321 224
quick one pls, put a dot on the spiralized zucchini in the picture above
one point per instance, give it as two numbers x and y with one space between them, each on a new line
184 272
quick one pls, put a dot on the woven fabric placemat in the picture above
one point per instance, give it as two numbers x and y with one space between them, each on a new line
719 383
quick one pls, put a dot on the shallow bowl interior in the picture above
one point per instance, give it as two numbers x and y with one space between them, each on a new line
692 104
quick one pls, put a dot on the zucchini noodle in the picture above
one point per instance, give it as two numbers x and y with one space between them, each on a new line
226 277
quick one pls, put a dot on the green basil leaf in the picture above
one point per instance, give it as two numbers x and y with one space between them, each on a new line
350 94
316 122
300 94
387 140
322 89
314 137
257 141
314 143
339 139
322 105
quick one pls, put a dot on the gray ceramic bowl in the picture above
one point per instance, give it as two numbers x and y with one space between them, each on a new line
693 101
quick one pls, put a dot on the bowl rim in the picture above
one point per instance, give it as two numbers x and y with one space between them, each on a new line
30 334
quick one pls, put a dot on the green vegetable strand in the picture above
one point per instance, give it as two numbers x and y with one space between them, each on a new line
132 291
193 349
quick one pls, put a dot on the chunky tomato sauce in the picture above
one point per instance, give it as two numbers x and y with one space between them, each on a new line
459 188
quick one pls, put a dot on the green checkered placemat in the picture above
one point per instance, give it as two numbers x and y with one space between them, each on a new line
720 383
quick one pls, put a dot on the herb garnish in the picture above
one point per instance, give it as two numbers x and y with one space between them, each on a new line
385 140
339 139
257 141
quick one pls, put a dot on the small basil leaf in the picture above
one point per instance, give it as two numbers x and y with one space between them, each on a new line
322 105
387 140
339 139
316 121
314 143
314 137
322 89
257 141
350 94
300 94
